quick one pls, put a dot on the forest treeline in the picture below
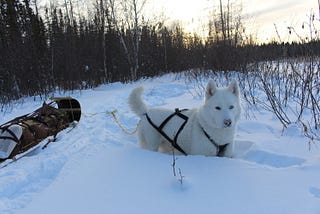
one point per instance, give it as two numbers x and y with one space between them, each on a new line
54 50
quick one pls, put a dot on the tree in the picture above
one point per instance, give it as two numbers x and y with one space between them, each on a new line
225 36
127 18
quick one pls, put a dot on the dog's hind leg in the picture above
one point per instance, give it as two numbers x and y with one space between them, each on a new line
149 140
165 147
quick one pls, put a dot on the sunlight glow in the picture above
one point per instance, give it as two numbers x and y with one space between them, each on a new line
260 17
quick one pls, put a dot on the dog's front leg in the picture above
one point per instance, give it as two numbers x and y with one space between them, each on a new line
228 152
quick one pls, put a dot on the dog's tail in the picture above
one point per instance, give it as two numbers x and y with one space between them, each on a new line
135 102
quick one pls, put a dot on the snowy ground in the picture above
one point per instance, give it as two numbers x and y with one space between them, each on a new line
96 168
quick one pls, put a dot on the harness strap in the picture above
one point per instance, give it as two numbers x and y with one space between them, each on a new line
26 125
12 137
160 128
220 148
7 138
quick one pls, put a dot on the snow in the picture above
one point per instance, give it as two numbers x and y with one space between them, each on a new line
97 168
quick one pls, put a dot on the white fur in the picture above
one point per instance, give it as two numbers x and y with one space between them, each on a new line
218 116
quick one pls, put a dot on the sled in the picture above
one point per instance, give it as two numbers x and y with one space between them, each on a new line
70 105
26 132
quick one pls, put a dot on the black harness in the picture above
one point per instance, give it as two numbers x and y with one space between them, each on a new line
160 128
220 148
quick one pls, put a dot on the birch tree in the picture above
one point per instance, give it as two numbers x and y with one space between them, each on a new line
127 17
226 24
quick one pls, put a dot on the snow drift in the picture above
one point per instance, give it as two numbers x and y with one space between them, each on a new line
96 168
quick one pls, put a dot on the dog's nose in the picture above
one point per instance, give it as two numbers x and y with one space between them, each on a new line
227 122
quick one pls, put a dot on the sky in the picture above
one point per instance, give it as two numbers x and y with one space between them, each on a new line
266 20
262 18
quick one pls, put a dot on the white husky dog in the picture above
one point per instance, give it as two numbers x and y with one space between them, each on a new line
208 130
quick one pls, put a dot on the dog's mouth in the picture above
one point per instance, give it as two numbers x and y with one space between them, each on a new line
226 127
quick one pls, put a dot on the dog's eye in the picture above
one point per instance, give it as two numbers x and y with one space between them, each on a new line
217 108
231 107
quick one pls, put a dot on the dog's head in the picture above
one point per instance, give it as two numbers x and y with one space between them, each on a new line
221 108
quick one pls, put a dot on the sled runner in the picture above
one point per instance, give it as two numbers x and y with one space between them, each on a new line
26 132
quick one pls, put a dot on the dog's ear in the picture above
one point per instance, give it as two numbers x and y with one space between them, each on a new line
234 88
211 89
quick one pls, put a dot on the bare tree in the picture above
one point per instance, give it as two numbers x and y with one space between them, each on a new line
35 2
226 25
127 17
101 8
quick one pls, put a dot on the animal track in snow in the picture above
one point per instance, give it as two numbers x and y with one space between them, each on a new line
315 192
241 148
272 159
245 150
